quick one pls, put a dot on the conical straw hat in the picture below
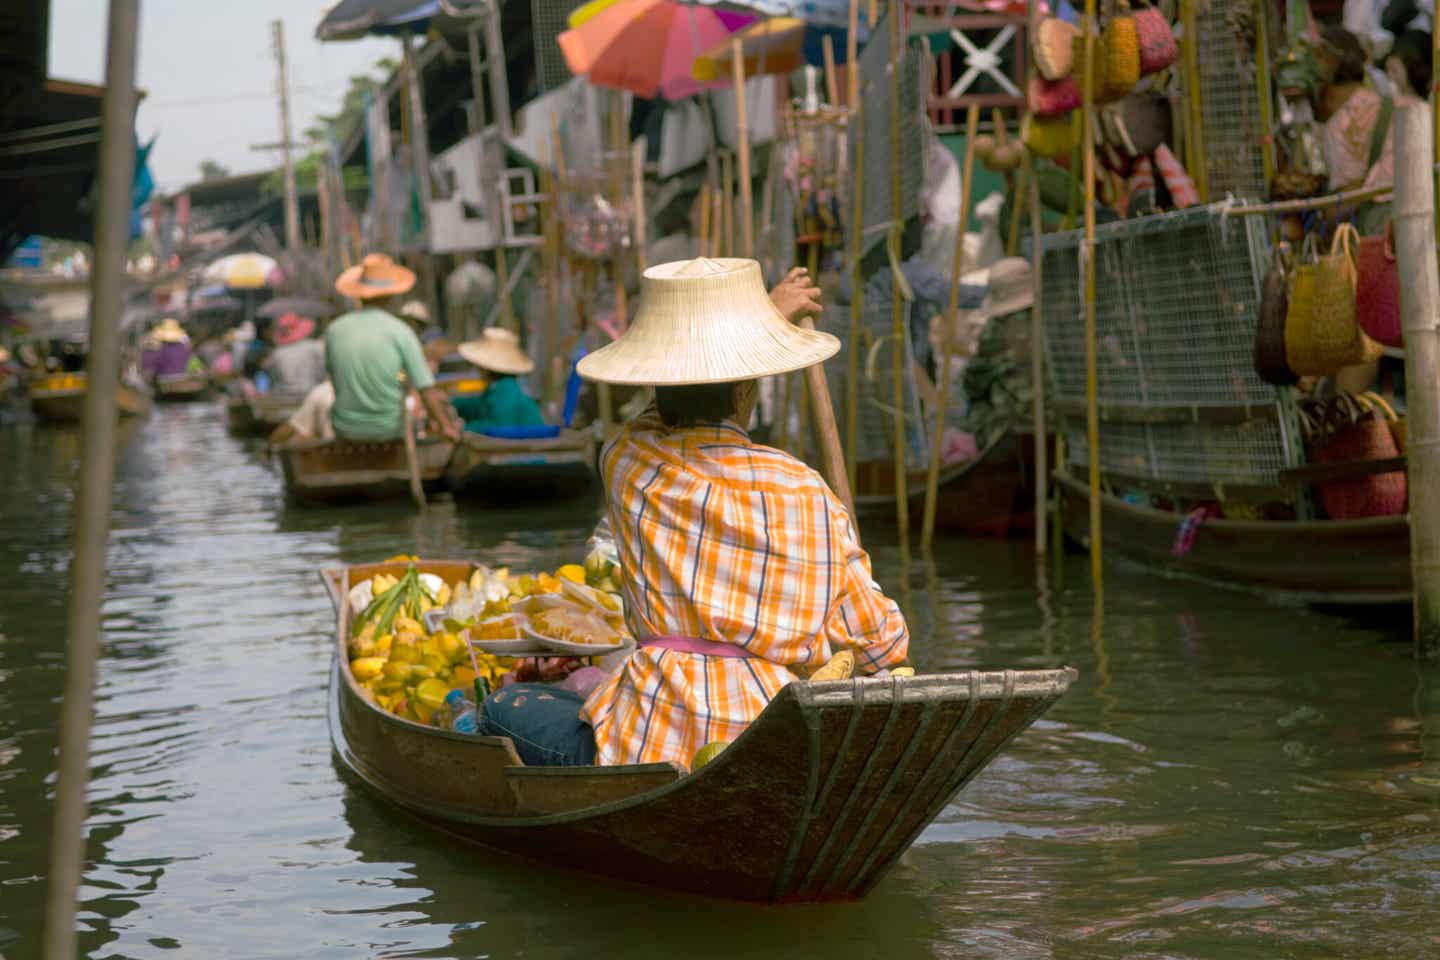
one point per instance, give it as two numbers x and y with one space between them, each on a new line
705 321
498 350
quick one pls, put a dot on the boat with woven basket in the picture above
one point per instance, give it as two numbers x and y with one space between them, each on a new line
330 471
182 387
814 802
549 467
60 398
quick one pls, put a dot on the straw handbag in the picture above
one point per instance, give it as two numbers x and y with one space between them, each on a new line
1349 429
1158 48
1321 334
1054 48
1050 136
1377 289
1118 68
1270 364
1052 98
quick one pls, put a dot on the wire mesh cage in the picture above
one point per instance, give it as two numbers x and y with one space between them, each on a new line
547 18
1230 106
1176 302
875 137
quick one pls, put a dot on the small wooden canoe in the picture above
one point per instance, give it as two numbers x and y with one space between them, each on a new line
328 471
815 801
60 398
257 416
992 495
1340 562
181 387
552 468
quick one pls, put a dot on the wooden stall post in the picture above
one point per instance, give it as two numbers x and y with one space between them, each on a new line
1092 376
947 337
898 332
1419 301
747 203
637 187
854 133
1037 361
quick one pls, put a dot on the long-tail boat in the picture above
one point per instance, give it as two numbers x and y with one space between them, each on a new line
60 398
814 802
180 387
554 467
329 471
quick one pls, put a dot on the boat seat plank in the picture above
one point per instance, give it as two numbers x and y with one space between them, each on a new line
1347 470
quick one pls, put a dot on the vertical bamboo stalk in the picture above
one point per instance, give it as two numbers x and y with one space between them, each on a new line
1092 379
97 477
1017 206
855 134
1190 54
742 125
832 83
1419 302
1431 96
1264 91
727 207
637 188
898 331
618 154
947 337
1037 361
705 206
717 223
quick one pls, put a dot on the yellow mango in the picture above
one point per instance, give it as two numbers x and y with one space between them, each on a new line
442 596
402 651
463 676
399 672
408 625
421 671
432 693
453 648
572 572
366 668
437 663
382 646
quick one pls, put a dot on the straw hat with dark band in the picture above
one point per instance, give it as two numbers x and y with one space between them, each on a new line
497 350
169 331
706 321
375 276
1012 287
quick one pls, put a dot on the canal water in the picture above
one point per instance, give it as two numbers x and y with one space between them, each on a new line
1227 778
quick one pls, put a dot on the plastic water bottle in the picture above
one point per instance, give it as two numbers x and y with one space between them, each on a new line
461 713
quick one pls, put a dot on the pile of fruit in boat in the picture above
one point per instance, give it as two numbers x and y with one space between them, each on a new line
411 634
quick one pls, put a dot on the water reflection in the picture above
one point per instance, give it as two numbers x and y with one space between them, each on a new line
1227 779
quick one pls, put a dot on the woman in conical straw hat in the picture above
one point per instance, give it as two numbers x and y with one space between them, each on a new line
503 404
739 568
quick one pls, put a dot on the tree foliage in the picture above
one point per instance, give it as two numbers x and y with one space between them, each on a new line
211 170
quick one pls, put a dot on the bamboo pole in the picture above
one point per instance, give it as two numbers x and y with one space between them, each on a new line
832 85
97 478
947 337
1190 54
742 125
1092 377
705 220
1037 361
1414 208
619 152
1433 96
827 432
637 187
1264 91
717 223
897 301
727 206
854 133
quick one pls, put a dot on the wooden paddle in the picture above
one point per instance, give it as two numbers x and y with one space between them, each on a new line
832 457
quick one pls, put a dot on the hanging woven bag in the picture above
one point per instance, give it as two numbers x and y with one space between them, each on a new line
1377 289
1118 68
1050 136
1270 364
1049 98
1054 48
1321 333
1355 430
1158 48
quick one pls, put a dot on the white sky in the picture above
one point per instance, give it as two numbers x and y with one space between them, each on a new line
209 74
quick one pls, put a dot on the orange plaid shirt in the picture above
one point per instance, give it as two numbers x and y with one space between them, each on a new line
729 541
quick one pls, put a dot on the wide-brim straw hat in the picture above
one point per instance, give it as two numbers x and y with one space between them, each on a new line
416 311
706 321
376 276
292 328
1012 287
497 350
169 331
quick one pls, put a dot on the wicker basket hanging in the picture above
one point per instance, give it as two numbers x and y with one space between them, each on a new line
1118 68
1321 332
1052 98
1377 290
1349 429
1158 48
1270 364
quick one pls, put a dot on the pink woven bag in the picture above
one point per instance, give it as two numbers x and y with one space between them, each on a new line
1052 98
1377 289
1158 48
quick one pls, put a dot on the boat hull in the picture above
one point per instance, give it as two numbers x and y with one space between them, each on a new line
336 471
182 388
1341 562
258 416
814 802
556 468
66 404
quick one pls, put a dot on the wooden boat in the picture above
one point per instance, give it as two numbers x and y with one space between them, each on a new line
815 801
257 416
992 495
179 387
1341 562
554 467
60 398
326 471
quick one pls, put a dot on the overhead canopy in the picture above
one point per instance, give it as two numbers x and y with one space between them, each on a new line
353 19
49 154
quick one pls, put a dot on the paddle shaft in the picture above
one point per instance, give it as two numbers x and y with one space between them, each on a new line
832 458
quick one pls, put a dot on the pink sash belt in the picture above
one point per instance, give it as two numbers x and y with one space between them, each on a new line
708 648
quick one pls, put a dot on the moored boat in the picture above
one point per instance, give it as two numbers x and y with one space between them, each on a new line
180 387
815 801
60 398
258 415
548 467
1340 562
327 471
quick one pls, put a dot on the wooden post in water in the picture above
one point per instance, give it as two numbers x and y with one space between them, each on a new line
1037 361
898 331
1092 376
747 202
97 478
854 134
947 337
1419 300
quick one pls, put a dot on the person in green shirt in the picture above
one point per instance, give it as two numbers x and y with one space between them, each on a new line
368 349
503 404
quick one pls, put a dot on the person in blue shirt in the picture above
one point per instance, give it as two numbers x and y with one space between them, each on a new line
503 404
